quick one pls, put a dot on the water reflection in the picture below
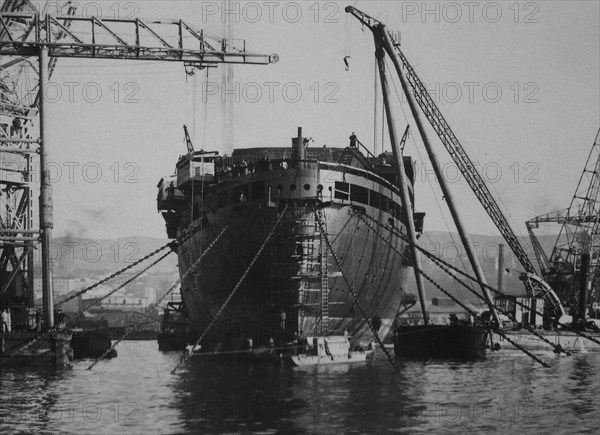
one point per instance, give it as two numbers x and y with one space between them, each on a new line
136 393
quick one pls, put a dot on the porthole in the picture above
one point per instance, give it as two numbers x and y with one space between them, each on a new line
307 186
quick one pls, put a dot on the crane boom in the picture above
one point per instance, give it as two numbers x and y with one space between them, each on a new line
454 148
188 140
112 38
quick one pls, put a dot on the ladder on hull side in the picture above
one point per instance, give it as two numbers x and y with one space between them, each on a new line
324 272
314 273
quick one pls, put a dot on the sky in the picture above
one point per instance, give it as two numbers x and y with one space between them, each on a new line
519 83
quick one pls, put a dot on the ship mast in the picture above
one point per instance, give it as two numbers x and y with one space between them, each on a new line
383 43
402 182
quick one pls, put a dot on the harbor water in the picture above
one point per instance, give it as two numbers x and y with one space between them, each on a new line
136 393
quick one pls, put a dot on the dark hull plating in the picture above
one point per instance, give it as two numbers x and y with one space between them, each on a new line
454 342
286 277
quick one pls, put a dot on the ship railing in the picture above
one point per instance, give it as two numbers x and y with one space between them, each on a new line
265 165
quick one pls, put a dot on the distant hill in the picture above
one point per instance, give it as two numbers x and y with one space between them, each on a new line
75 257
448 247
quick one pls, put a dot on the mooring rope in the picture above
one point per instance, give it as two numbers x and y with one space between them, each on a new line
185 357
162 298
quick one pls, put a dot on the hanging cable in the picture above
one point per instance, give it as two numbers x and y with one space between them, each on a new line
435 196
347 43
205 106
375 108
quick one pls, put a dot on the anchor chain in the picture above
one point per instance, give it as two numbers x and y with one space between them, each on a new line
117 273
162 298
431 280
582 334
354 295
557 349
27 345
137 275
185 357
466 275
499 331
171 245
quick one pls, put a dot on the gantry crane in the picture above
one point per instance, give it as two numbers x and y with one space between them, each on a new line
385 41
19 101
580 231
28 38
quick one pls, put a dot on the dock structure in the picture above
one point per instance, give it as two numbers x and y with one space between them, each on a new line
567 340
30 348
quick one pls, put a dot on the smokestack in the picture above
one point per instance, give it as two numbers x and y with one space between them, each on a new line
298 146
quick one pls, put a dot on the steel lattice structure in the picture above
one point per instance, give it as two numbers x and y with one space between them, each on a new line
18 116
26 36
580 231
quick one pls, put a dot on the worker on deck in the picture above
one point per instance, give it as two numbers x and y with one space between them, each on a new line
283 318
15 129
6 321
171 191
3 321
353 140
376 323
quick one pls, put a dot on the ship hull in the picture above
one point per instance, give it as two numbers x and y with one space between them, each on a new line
239 292
453 342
